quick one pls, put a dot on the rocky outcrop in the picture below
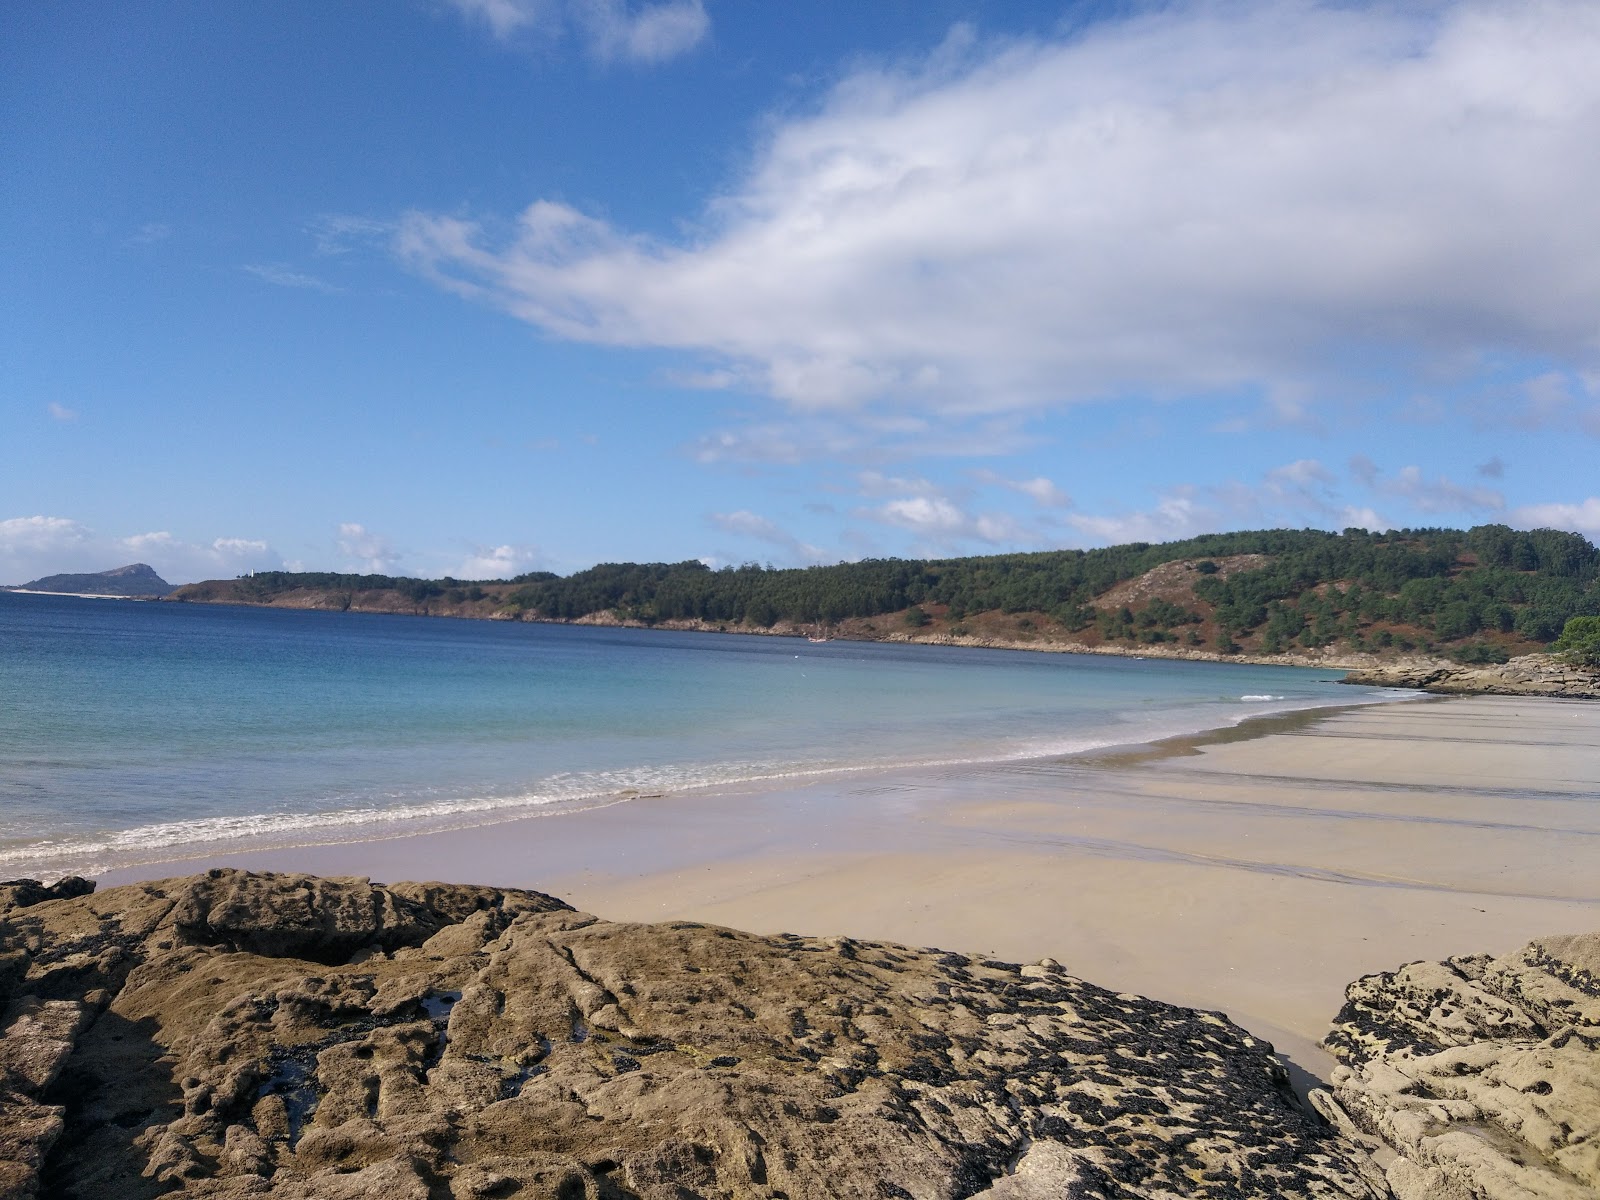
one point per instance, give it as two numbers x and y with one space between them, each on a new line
1530 675
233 1035
1479 1073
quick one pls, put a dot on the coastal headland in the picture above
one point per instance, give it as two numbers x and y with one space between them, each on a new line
1417 600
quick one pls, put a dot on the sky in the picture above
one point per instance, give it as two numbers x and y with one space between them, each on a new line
478 287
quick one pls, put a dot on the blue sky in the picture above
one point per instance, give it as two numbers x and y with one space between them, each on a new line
483 286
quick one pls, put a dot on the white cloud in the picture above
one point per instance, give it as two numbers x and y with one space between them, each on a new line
860 437
1579 518
876 483
1178 515
497 562
19 534
1440 495
1363 518
282 276
61 412
1042 491
653 33
31 547
1304 473
367 551
745 523
611 30
1203 196
942 526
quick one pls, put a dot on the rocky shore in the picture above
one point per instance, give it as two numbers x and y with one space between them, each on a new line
237 1034
1529 675
1481 1074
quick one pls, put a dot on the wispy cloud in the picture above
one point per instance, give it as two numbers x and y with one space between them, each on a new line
60 412
610 30
150 233
1043 491
746 524
283 276
1440 494
1195 198
340 233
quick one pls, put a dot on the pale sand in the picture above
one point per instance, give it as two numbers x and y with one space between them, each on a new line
1254 875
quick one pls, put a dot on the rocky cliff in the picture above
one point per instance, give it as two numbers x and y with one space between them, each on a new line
1530 675
232 1035
1480 1075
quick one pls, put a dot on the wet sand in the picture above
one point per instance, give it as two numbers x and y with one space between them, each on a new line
1255 871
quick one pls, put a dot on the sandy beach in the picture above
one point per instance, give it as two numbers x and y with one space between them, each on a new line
1256 870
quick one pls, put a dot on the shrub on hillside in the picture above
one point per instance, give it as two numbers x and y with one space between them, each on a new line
1579 642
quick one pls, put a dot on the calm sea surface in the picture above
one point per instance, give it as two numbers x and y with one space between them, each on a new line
133 732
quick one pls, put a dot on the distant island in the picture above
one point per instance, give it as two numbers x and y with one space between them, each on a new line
135 579
1474 597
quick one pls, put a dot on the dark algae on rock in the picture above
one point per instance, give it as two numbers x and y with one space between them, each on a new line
1480 1074
236 1034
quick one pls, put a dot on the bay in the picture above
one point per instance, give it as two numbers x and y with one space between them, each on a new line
136 731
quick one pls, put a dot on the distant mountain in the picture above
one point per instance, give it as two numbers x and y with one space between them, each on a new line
136 579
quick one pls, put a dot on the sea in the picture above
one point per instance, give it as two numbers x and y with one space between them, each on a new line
136 732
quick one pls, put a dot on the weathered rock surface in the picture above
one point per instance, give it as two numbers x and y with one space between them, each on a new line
234 1035
1530 675
1480 1073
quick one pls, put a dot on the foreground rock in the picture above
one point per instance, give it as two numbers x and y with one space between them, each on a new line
1530 675
235 1035
1481 1073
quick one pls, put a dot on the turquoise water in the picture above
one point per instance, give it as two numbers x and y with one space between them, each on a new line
135 732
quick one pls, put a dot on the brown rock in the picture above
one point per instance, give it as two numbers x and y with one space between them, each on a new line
284 1036
1482 1074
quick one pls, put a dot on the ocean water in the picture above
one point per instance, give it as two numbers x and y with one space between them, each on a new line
139 732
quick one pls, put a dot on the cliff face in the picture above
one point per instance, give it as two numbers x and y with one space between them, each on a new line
1481 1074
281 1036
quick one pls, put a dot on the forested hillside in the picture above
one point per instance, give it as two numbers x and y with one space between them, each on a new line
1479 595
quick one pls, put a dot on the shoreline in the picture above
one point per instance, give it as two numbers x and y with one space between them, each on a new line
321 830
1256 874
785 629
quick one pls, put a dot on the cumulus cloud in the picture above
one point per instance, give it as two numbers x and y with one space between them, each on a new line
1581 518
940 525
610 30
365 550
1198 197
497 562
1351 517
31 547
744 523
